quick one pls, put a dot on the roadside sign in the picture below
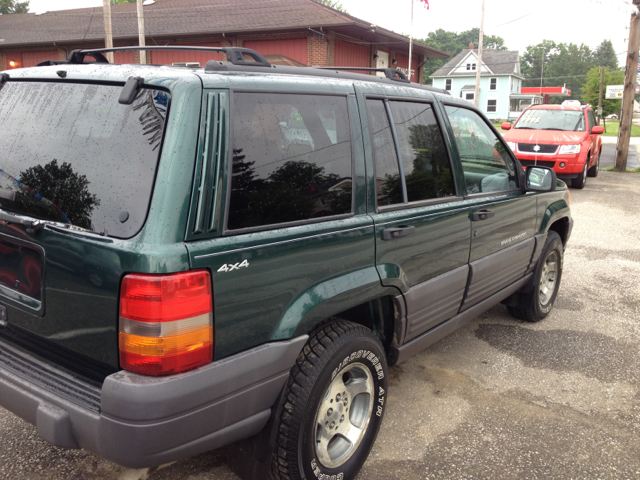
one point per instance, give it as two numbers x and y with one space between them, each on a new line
614 92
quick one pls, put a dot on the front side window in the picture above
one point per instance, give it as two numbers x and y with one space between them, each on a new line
486 163
291 159
75 156
492 106
552 119
447 84
592 120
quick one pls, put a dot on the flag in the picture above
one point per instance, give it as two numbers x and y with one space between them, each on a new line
426 3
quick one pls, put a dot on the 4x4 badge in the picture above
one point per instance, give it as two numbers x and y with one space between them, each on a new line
230 267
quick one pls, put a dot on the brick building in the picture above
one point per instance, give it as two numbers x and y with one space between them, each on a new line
293 32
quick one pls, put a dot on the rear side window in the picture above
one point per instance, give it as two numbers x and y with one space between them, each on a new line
291 159
72 154
424 158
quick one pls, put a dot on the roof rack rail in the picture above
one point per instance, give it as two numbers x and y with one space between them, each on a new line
235 55
390 73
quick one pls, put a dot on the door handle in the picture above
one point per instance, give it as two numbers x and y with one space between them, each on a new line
482 215
397 232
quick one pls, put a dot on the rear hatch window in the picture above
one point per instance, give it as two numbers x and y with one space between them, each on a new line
71 154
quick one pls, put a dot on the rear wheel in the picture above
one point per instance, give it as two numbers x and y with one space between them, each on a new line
334 403
539 302
580 181
593 171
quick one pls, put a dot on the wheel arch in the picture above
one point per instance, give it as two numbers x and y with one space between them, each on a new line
357 296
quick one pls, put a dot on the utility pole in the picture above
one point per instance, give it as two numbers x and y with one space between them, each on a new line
622 149
476 96
108 35
410 42
600 97
141 40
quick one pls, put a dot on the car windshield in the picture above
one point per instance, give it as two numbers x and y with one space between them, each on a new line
71 154
541 119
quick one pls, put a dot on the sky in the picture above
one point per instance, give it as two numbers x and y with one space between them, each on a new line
518 22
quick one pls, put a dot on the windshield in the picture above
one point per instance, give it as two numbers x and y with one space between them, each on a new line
70 153
539 119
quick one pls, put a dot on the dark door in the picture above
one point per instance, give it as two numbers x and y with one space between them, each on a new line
422 228
502 217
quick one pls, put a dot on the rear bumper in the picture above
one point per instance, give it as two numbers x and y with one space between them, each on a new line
140 421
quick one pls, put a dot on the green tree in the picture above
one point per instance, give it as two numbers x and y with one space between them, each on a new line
591 88
605 56
564 64
12 6
333 4
453 43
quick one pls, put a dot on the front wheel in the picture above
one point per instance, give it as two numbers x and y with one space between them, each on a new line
539 302
333 405
580 181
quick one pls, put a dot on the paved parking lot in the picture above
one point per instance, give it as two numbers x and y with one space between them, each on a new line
498 399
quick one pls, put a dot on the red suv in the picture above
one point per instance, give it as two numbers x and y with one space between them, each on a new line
561 137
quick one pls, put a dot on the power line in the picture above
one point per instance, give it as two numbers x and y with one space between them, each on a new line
514 20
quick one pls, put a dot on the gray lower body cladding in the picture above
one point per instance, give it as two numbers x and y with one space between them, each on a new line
146 421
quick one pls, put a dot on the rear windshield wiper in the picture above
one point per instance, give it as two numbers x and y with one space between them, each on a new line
32 225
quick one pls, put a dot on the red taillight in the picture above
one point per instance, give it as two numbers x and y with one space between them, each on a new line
166 322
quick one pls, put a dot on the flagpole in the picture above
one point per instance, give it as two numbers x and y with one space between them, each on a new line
410 41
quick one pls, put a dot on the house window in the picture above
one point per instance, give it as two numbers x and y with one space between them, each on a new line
469 96
468 66
493 84
447 84
473 66
492 106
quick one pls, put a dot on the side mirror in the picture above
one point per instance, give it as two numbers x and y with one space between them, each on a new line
540 179
597 130
505 126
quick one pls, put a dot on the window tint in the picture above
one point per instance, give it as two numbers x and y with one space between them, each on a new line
388 188
424 156
487 165
592 120
74 155
291 159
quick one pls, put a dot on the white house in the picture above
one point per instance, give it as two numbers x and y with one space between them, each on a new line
500 80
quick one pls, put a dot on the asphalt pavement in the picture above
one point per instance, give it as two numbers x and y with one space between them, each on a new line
498 399
608 158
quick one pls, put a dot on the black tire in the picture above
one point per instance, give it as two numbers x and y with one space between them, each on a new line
593 171
335 351
537 304
581 180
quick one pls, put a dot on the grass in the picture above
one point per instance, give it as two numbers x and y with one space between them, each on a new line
613 126
611 168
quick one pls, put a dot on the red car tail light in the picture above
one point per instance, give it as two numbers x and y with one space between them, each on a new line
166 322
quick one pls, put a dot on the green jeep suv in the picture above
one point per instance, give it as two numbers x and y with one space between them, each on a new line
194 257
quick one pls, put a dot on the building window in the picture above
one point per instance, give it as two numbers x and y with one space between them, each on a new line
473 66
469 96
492 106
447 84
468 66
493 84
